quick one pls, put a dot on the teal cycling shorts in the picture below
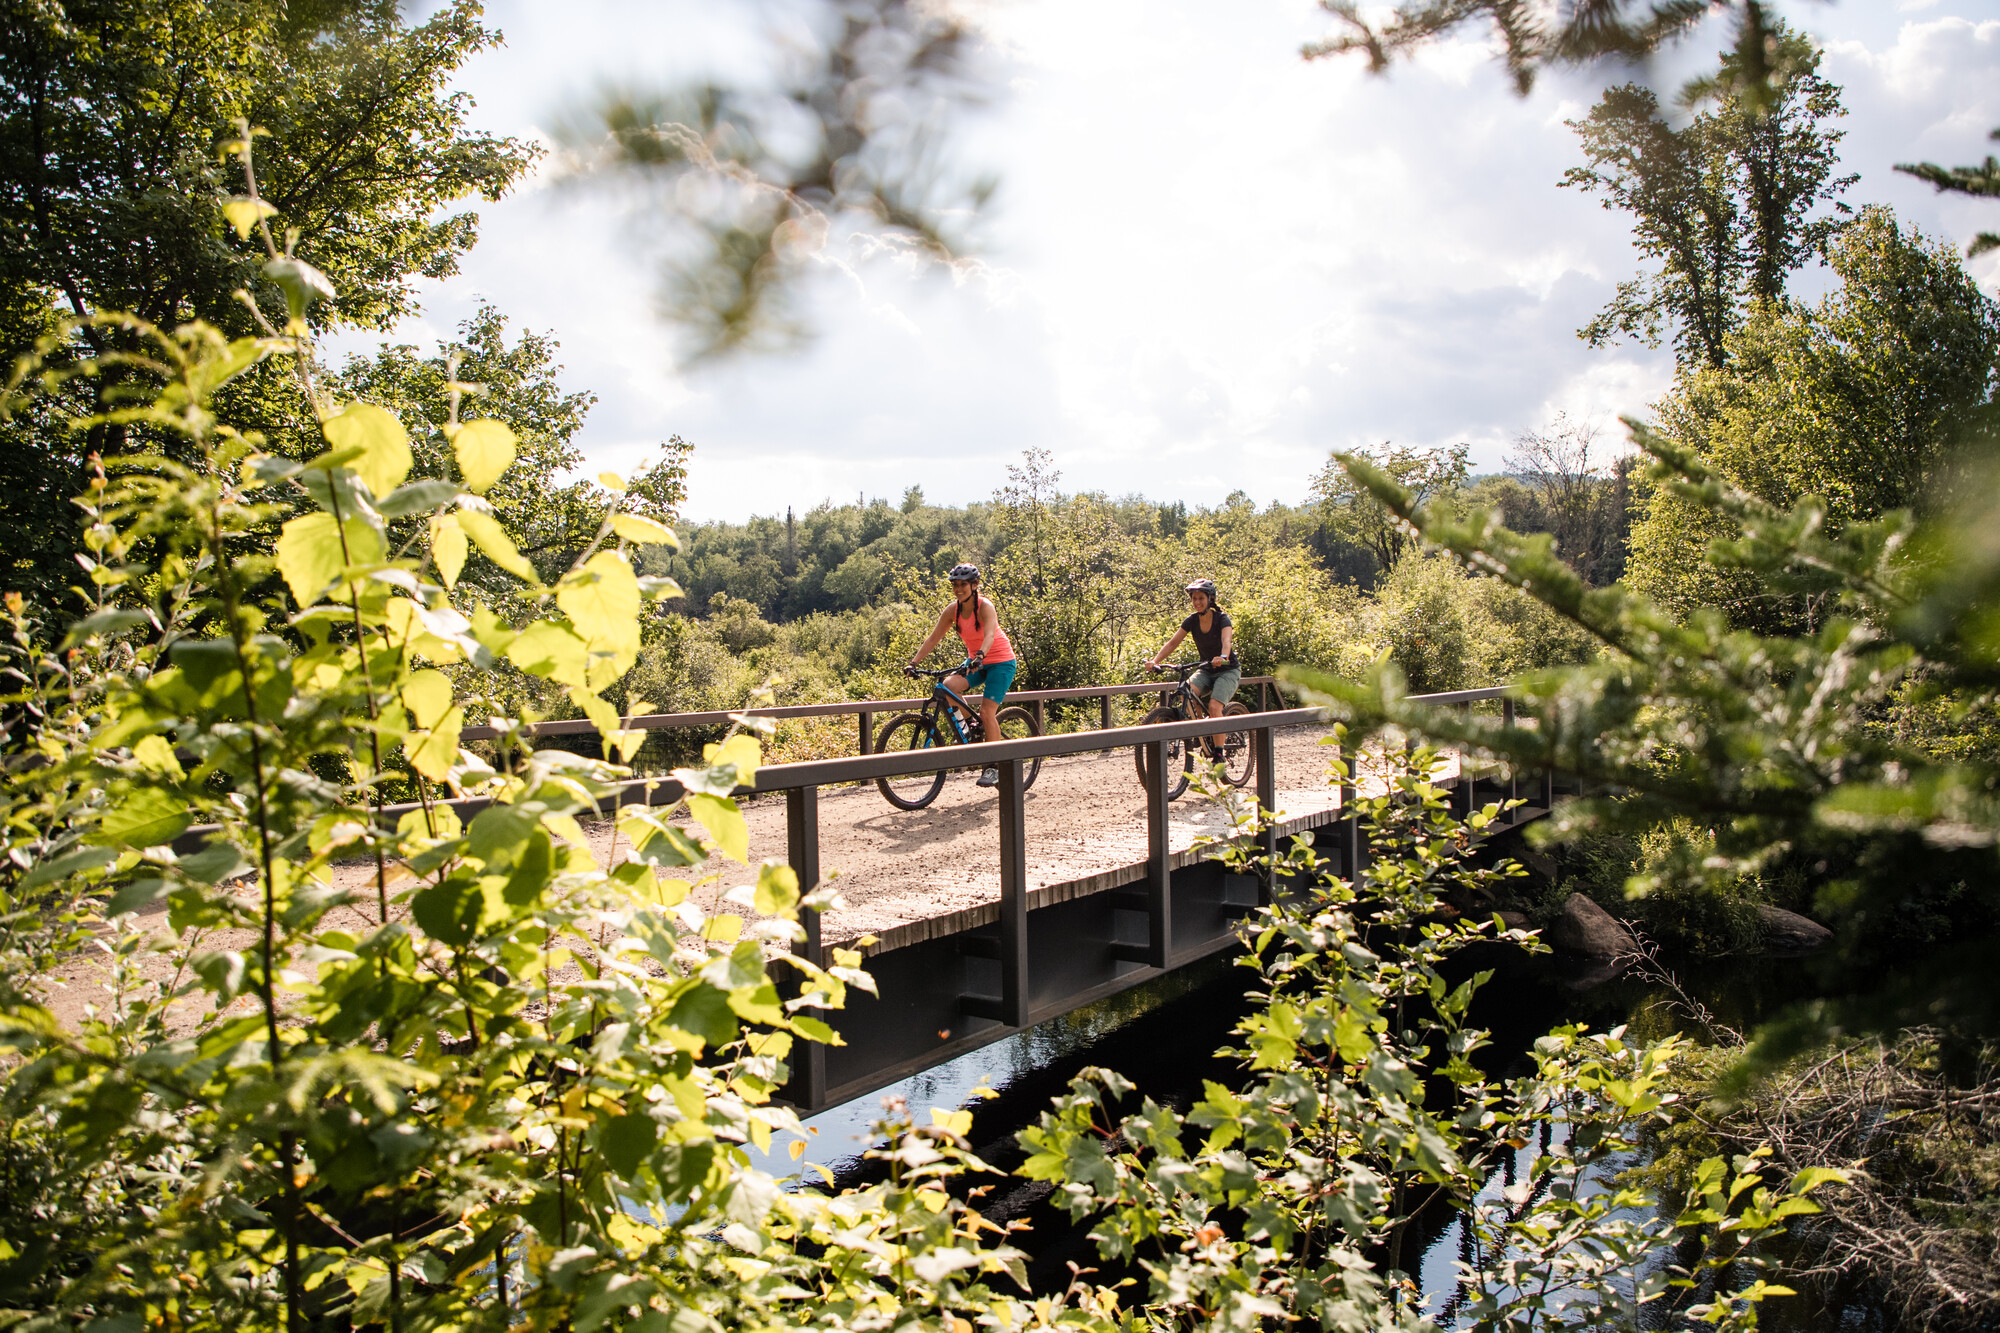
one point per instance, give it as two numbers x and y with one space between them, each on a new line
993 680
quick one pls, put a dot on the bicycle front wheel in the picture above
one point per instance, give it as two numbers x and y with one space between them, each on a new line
1239 755
1176 754
1018 724
901 735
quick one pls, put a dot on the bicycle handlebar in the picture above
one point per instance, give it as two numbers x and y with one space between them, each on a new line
938 673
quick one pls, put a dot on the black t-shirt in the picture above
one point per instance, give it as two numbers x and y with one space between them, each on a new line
1209 645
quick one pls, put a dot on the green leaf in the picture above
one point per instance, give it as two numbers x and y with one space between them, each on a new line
485 449
146 818
1812 1177
417 497
212 864
777 888
427 694
301 283
724 822
449 548
491 538
384 444
156 755
433 750
245 213
704 1012
550 650
449 912
602 602
625 1140
310 557
139 893
108 621
70 863
644 531
601 714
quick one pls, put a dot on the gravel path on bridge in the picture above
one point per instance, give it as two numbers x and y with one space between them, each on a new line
1086 815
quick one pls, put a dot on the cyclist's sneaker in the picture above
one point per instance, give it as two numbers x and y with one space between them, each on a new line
990 778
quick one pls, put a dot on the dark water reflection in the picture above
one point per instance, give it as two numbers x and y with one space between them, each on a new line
1163 1037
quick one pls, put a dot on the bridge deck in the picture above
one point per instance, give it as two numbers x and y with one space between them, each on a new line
911 875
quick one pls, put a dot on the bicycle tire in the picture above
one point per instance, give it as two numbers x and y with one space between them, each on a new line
1018 724
900 735
1239 754
1176 754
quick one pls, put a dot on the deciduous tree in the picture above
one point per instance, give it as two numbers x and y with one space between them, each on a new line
111 196
1723 209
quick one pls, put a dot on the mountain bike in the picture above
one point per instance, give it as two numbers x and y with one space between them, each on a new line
1232 749
937 724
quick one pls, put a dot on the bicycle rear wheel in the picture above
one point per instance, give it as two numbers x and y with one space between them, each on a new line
1239 754
1018 724
1176 754
900 735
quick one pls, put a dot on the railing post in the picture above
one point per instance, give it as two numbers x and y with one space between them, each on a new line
1013 896
867 725
1547 790
1266 760
1263 696
802 853
1159 870
1464 797
1513 772
1104 712
1041 719
1352 848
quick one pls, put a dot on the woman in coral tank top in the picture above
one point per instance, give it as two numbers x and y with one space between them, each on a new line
986 647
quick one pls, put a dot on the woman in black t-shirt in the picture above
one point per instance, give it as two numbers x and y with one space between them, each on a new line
1215 640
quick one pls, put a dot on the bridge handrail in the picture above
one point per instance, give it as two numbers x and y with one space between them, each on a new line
672 721
815 773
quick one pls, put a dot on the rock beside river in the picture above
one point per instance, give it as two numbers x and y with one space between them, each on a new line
1587 929
1788 932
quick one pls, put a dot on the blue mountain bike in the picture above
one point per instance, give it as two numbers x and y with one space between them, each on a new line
947 718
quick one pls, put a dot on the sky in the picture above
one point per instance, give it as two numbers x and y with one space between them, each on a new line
1208 263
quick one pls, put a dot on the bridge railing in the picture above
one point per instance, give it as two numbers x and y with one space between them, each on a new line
865 711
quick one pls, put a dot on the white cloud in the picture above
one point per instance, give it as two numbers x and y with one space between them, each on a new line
1210 261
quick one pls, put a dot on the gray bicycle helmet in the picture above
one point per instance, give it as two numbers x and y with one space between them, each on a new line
964 573
1203 585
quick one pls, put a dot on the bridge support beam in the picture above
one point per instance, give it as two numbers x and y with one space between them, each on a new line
802 853
1159 870
1013 896
1353 847
1266 752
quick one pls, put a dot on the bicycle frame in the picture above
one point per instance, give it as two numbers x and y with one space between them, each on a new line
954 706
1191 705
942 701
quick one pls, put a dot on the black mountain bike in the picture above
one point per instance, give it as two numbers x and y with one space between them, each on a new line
938 724
1232 749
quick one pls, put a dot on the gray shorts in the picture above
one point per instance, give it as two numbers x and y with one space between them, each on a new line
1218 685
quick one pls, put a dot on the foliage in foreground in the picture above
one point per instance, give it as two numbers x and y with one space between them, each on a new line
1297 1196
421 1072
1778 746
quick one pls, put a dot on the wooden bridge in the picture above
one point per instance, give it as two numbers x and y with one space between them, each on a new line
990 912
1042 935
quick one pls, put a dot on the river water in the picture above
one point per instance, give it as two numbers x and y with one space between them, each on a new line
1163 1036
